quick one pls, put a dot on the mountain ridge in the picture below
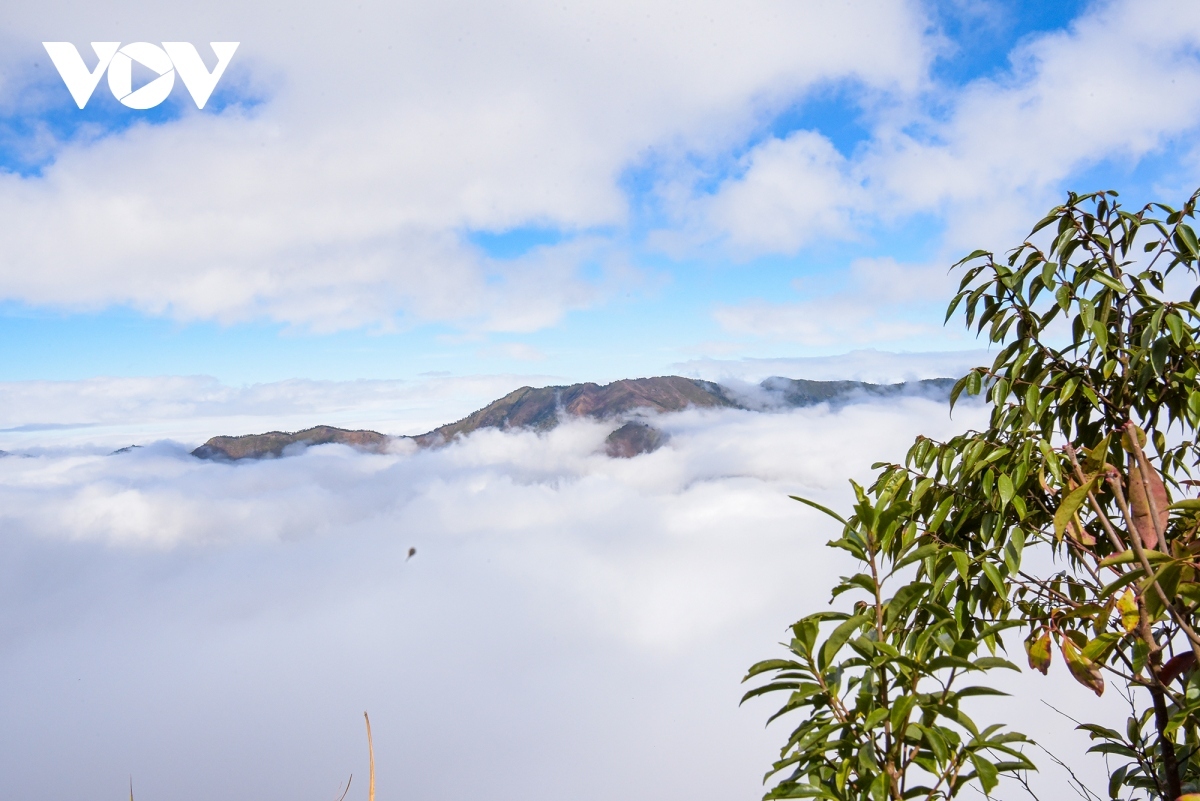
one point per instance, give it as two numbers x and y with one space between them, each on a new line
542 408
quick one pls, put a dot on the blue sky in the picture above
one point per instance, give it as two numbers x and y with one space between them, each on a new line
592 199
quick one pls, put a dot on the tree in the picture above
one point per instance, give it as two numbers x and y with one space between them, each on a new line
1094 406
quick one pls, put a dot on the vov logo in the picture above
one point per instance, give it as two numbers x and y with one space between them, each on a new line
165 61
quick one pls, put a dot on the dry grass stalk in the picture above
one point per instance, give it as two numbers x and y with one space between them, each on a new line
371 751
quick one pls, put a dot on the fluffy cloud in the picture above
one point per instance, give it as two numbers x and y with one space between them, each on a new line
570 623
342 199
1117 85
384 136
790 193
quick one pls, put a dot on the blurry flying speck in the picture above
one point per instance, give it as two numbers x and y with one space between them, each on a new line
411 553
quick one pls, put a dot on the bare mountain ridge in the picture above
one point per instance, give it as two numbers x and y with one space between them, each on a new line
274 443
541 409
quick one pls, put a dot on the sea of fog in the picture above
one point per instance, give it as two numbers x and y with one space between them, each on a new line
570 626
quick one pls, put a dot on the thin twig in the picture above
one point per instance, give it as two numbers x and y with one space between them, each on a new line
1077 783
343 795
1023 780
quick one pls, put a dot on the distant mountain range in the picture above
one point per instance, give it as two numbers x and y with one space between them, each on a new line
630 404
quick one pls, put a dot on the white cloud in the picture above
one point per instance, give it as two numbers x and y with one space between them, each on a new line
873 366
514 350
1117 85
844 321
790 192
1002 154
883 301
217 629
389 130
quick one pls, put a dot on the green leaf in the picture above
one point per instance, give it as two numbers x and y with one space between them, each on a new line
970 692
953 305
1070 505
1048 270
940 515
963 563
820 508
1050 457
1013 550
957 390
1116 781
773 687
1175 326
991 662
1167 577
1032 396
1141 653
1049 218
1097 456
937 743
769 665
1188 237
1000 392
959 717
1098 649
899 711
1158 355
837 639
988 775
1127 557
1109 282
917 555
1063 296
993 575
1005 486
1086 313
1099 731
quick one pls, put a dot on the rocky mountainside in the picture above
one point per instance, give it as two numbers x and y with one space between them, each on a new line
541 409
273 443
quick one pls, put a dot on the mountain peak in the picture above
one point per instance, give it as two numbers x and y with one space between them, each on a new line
541 409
